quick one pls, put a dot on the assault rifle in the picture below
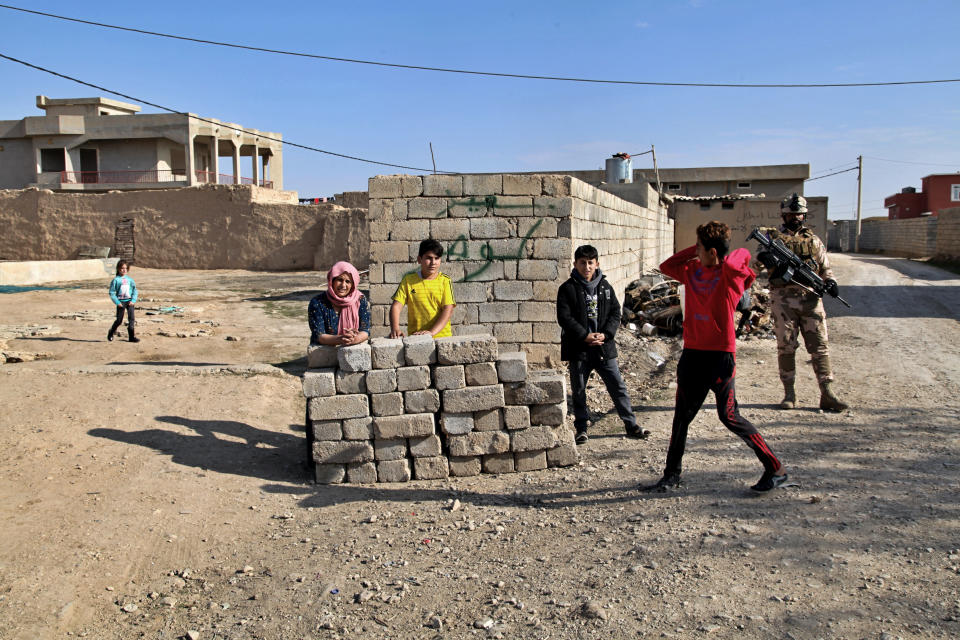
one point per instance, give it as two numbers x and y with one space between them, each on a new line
785 267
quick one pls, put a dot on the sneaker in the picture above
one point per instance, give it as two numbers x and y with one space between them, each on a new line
638 433
581 437
671 481
110 336
134 339
769 482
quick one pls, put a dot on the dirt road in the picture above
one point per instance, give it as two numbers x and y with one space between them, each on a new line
157 489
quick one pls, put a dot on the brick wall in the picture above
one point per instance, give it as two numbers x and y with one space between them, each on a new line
509 241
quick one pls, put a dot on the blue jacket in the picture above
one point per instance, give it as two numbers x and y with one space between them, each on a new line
115 290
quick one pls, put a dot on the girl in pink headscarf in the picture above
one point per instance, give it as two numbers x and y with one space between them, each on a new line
340 316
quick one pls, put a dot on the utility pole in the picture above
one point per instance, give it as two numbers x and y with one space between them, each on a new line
432 159
856 243
656 171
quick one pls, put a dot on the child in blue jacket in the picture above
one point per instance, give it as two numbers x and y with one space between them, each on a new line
123 292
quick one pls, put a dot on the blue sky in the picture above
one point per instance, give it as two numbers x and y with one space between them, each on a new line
500 124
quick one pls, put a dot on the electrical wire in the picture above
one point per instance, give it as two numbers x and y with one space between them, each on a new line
213 122
926 164
480 73
831 174
832 168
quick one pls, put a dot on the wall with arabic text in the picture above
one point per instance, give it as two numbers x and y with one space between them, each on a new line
509 241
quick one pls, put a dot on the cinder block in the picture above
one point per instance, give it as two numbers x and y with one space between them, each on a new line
512 206
485 185
393 272
320 382
327 429
520 185
498 463
361 473
516 417
554 185
421 401
451 377
551 415
411 425
553 207
433 468
456 424
386 404
341 451
430 208
463 466
465 314
351 381
512 366
411 378
448 230
563 456
389 251
329 473
392 449
410 230
321 355
488 420
355 357
470 207
375 274
532 439
472 292
543 291
481 270
339 407
538 312
381 381
541 387
393 471
358 428
384 186
387 209
553 249
538 227
489 228
411 186
530 460
418 350
537 270
543 354
474 398
512 290
442 185
546 332
513 332
425 447
466 349
479 443
386 353
499 312
480 374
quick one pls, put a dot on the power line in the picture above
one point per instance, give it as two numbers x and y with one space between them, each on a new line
926 164
834 168
219 124
480 73
831 174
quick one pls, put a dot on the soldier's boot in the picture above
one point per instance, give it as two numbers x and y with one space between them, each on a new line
829 401
787 364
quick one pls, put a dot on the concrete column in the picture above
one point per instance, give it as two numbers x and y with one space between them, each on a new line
266 166
256 165
216 160
236 162
191 172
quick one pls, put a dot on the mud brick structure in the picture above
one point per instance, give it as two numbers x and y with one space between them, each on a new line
393 410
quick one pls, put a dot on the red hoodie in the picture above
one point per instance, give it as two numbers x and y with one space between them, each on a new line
712 294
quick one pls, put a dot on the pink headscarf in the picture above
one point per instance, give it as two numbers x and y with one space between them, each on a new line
349 307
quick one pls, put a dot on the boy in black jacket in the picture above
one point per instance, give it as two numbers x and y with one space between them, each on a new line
588 313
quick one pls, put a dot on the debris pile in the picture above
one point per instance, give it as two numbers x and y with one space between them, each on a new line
653 303
756 321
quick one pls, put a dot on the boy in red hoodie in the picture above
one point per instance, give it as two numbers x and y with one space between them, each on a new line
714 283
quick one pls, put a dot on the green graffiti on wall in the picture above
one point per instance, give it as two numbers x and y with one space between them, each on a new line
460 250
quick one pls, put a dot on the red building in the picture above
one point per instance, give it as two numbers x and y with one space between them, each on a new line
939 191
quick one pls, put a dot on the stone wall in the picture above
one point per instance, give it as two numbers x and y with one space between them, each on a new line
208 227
509 241
418 408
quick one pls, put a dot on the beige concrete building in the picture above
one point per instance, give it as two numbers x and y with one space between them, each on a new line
98 144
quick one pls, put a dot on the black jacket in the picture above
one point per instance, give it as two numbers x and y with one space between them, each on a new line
572 318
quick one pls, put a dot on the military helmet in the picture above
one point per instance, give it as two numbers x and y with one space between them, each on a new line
793 204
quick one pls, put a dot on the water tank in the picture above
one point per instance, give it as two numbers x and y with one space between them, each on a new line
619 170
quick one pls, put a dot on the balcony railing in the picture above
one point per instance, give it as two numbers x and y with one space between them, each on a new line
209 177
150 176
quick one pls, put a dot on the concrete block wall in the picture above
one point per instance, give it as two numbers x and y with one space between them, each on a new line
911 237
948 235
393 410
509 241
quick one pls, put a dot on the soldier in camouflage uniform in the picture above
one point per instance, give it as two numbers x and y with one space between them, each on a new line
797 311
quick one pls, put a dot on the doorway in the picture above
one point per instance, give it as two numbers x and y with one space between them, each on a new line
88 166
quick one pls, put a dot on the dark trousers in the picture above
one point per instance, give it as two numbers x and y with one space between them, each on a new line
609 372
120 309
697 373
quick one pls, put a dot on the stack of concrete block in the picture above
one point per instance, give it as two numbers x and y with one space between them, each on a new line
391 410
509 241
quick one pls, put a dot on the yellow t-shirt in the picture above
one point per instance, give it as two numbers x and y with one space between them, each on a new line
424 299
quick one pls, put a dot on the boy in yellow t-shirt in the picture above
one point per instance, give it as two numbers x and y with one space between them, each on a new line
427 294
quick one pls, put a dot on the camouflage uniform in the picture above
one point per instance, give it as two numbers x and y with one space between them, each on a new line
798 312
